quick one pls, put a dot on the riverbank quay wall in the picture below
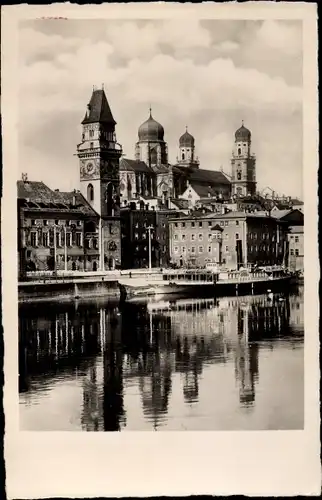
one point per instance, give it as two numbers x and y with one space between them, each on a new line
69 286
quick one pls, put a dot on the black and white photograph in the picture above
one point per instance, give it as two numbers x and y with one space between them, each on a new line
160 224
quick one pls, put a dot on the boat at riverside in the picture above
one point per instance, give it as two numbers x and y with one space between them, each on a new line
196 282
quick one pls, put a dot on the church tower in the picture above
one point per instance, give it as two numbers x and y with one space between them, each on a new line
151 147
243 164
99 155
187 156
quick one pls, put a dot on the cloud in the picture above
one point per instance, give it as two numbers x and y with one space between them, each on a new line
281 36
187 72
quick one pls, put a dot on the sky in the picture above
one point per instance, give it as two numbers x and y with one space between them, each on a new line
206 74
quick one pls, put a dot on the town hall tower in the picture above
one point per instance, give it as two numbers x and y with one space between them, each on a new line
99 155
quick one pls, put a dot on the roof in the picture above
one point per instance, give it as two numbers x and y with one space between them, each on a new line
186 140
37 196
209 176
242 134
134 166
99 109
216 227
151 130
296 229
228 215
180 203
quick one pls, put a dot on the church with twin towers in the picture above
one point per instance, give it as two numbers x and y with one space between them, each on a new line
110 181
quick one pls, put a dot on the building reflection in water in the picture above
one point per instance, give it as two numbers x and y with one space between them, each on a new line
106 349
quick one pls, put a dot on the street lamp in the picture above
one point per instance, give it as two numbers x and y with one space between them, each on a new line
150 255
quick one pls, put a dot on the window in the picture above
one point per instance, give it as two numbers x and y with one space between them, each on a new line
45 222
95 243
182 156
296 239
90 192
45 239
183 249
200 237
33 239
183 236
193 249
273 237
221 222
193 237
192 224
255 248
175 224
79 239
175 236
209 224
200 224
91 133
200 249
79 223
209 249
238 176
163 224
226 222
237 236
264 248
297 252
58 239
226 248
251 248
292 251
33 222
91 145
239 151
237 222
209 237
69 240
176 249
183 224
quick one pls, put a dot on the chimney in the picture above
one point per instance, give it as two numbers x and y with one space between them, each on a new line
56 190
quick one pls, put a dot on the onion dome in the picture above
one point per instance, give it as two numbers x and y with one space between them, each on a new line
243 134
186 140
151 130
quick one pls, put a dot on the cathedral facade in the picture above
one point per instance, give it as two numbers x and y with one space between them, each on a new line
151 175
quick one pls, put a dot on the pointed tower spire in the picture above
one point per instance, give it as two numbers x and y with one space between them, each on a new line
150 110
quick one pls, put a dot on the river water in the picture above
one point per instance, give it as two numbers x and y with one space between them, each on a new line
234 363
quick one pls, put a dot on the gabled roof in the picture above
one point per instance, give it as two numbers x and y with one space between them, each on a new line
34 195
99 109
216 227
202 190
127 165
34 190
180 203
209 176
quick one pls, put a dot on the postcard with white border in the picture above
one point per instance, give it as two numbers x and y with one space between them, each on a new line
160 293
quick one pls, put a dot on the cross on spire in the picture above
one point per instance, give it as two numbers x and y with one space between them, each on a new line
150 109
242 122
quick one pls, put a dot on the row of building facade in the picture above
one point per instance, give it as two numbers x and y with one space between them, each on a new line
126 212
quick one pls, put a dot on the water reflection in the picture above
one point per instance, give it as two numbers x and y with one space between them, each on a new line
133 364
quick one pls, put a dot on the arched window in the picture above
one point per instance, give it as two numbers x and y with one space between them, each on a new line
238 176
182 156
239 151
90 192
